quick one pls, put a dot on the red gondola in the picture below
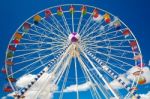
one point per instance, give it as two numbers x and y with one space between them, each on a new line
133 43
3 71
141 64
126 33
12 48
18 35
7 89
59 9
95 13
15 41
47 13
26 26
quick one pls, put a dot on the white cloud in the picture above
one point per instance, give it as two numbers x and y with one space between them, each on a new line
82 87
112 98
9 95
145 96
116 85
145 74
43 84
4 97
25 80
132 70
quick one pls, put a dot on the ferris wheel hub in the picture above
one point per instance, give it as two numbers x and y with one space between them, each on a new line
74 37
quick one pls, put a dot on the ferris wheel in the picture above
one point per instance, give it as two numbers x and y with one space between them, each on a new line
65 47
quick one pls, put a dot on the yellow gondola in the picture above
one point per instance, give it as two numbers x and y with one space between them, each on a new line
107 18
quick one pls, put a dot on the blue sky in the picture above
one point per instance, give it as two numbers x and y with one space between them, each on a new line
135 13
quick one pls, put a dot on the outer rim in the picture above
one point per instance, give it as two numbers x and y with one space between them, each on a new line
67 10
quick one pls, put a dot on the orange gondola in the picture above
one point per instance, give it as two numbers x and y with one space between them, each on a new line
142 80
18 35
138 57
16 95
9 63
37 19
22 96
11 79
134 88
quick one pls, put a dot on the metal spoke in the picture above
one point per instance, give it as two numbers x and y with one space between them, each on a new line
100 75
